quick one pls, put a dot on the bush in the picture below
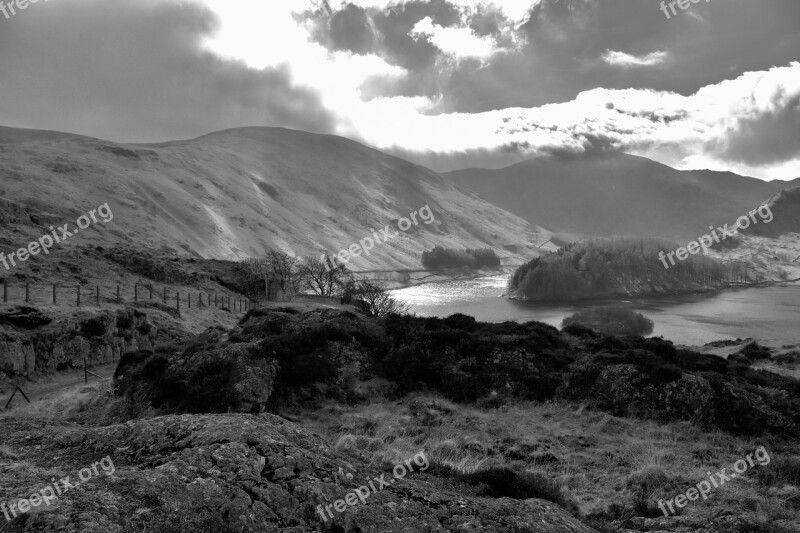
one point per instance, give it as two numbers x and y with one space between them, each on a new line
211 388
666 374
612 320
25 317
503 482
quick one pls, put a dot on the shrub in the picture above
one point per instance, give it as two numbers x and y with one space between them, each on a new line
665 374
612 320
94 327
25 317
210 388
503 482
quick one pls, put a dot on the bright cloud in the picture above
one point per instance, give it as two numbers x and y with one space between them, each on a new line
626 60
456 42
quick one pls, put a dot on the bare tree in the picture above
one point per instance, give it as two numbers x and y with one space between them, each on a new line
373 298
321 278
276 267
285 270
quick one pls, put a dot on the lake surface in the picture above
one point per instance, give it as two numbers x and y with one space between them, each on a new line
770 315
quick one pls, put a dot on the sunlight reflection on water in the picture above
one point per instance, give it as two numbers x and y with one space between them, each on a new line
770 314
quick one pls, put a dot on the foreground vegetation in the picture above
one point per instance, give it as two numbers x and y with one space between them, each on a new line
600 425
610 470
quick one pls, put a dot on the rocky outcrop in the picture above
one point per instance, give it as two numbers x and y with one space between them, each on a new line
225 473
628 390
29 347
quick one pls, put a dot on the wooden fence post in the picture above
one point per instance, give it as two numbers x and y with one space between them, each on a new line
55 297
79 294
27 292
97 294
189 298
151 292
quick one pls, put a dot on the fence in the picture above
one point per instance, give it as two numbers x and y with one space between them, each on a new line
95 295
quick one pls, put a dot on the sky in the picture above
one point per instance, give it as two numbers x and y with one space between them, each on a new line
444 83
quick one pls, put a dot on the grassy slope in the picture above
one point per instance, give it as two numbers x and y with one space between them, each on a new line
599 460
232 193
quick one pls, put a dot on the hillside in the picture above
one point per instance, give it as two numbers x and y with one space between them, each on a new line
231 194
617 194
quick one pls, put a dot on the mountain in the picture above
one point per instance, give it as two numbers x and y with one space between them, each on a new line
785 209
233 193
617 194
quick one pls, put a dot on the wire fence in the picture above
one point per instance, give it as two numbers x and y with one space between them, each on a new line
96 295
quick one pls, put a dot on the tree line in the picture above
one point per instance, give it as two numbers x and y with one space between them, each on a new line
445 258
608 267
281 276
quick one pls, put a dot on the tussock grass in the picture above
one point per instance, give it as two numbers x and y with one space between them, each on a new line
612 468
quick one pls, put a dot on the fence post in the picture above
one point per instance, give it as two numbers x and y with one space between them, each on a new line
136 292
151 292
189 298
178 300
55 298
79 294
97 294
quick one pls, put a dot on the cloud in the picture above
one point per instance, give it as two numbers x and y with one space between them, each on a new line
401 75
624 60
456 42
136 71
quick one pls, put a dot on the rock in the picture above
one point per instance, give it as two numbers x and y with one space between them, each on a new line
250 473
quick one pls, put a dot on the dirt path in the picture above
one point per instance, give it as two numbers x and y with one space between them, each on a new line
51 387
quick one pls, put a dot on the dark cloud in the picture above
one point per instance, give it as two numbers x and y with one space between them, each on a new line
347 29
134 71
766 139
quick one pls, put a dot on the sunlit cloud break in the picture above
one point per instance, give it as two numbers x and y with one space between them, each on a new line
627 60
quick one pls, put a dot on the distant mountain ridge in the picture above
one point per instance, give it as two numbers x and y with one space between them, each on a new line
234 193
617 194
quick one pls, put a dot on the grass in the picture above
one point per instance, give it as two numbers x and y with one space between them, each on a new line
611 468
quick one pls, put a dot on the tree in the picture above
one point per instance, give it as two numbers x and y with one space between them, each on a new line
276 267
372 298
321 278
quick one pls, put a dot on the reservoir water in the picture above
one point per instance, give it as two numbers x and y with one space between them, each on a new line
770 315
